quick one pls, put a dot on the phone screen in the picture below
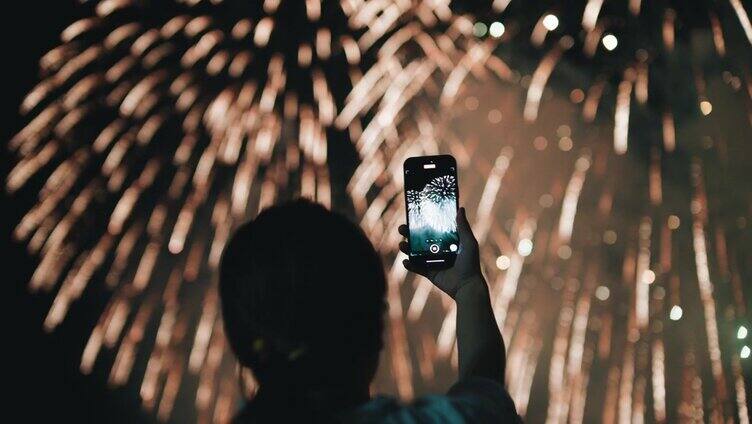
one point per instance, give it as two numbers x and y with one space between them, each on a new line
432 195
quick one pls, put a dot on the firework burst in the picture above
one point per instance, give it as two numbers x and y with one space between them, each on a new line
435 206
157 127
441 189
414 200
579 211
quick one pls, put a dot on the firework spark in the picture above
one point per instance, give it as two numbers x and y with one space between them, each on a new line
435 206
150 138
559 216
155 130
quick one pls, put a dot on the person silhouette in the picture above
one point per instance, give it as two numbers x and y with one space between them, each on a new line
303 300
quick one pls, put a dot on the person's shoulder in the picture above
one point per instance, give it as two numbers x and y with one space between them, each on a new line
475 400
483 400
385 409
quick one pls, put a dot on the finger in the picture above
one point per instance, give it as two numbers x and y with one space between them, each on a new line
409 266
430 274
403 230
412 268
404 247
463 226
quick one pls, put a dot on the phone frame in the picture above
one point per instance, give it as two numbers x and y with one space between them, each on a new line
441 260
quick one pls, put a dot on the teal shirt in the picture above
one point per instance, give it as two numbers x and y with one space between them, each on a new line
474 400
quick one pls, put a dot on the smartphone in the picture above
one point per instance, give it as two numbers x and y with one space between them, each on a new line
432 200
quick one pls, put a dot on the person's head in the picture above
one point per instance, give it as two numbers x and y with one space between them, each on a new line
302 293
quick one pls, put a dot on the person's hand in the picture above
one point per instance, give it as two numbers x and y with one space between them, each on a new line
466 267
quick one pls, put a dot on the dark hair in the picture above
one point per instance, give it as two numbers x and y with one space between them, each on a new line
302 293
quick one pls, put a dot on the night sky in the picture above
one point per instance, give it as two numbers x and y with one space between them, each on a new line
45 383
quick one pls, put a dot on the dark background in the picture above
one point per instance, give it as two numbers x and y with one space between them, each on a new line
45 383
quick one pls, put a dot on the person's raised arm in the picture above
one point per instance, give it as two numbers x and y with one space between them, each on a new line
480 346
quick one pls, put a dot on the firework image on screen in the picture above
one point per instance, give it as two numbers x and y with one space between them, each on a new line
432 212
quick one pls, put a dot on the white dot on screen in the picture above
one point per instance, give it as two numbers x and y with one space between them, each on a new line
496 29
673 222
564 252
503 262
540 143
565 144
494 116
706 107
525 247
602 293
546 200
550 22
741 333
610 42
648 277
676 313
480 29
564 131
